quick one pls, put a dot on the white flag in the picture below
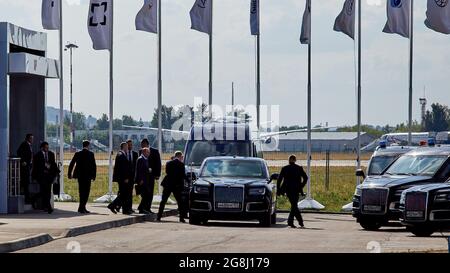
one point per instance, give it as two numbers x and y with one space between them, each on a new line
345 22
100 23
438 16
51 14
201 16
147 17
305 36
254 17
398 17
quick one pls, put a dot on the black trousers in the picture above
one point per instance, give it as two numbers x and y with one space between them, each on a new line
295 212
147 196
46 194
124 197
165 196
84 189
25 172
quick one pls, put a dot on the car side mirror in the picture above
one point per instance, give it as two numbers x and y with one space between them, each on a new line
360 173
274 177
191 176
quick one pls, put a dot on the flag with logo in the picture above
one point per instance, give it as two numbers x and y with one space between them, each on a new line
201 16
398 17
51 14
254 17
100 23
305 36
345 22
438 16
147 17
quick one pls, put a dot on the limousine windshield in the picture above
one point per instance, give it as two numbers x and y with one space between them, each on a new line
425 165
233 168
379 163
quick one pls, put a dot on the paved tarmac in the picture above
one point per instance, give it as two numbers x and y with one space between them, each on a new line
325 233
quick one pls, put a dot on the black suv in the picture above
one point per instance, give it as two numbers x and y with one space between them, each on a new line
233 188
426 209
377 200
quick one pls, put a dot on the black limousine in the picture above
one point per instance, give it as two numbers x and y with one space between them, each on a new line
377 200
233 188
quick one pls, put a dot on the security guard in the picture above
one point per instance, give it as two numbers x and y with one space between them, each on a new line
291 182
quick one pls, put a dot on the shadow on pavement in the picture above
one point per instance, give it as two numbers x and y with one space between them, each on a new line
57 214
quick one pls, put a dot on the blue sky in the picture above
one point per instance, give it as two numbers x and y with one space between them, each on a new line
284 60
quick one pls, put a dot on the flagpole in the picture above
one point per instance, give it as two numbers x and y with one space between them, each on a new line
358 160
258 72
111 102
61 101
211 62
411 63
159 77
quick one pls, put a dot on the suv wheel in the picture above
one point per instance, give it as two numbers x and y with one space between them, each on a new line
370 225
421 231
194 219
273 218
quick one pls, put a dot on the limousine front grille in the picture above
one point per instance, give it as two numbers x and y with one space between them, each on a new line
228 198
416 205
374 200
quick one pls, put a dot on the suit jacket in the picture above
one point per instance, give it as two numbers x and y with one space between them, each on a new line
123 168
40 171
154 162
143 174
175 175
25 152
292 179
85 166
134 159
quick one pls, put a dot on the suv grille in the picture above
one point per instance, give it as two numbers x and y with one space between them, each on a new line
374 201
228 198
415 206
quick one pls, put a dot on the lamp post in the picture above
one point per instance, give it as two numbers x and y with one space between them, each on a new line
70 47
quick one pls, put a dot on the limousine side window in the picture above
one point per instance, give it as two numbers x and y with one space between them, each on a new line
445 174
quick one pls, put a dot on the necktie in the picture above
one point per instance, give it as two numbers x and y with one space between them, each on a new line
130 158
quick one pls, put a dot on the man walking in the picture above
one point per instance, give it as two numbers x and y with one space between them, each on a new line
154 167
44 172
174 183
85 171
291 182
25 153
123 175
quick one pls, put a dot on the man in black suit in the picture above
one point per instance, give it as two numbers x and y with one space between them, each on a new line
85 171
25 153
173 182
124 176
44 172
154 164
291 182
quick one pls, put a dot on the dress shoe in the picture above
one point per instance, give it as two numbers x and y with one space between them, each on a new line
127 212
112 209
86 211
292 225
182 220
81 211
50 211
158 219
145 212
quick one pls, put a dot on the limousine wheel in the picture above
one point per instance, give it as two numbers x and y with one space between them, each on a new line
421 231
370 225
266 221
194 219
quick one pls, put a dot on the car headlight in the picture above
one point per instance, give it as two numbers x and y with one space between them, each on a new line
201 189
257 191
358 191
442 197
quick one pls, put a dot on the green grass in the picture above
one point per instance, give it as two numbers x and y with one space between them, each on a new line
339 193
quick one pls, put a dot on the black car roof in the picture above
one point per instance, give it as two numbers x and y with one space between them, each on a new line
236 158
431 151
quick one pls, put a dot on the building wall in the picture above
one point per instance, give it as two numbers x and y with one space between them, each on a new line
4 109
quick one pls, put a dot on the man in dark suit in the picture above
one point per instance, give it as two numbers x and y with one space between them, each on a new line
173 182
44 172
132 157
25 153
291 182
124 176
85 171
154 163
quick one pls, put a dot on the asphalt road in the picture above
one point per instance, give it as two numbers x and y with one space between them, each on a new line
324 233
